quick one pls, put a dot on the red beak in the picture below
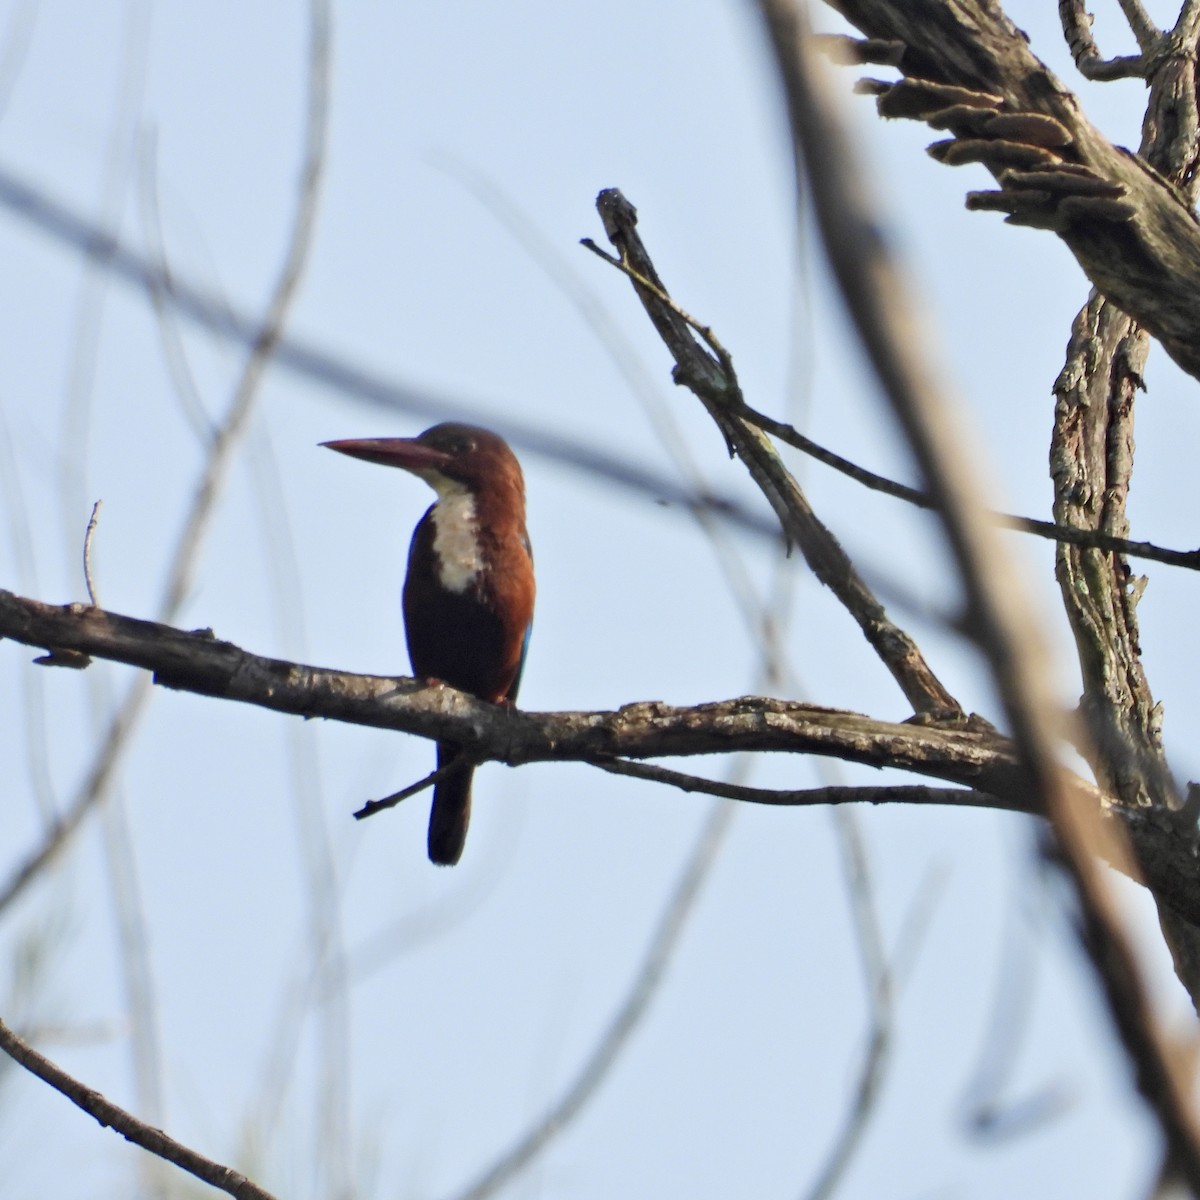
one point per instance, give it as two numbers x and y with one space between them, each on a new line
406 453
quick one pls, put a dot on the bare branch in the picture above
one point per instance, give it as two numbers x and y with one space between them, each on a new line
885 316
1091 455
1148 34
805 797
34 702
881 1008
710 375
269 332
126 1124
1095 539
991 1110
1139 242
1077 28
970 754
174 352
88 579
15 42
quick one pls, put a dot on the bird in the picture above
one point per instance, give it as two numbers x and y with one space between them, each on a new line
468 590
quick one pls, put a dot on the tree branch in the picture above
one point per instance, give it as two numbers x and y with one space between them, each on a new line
126 1124
1091 457
968 70
974 757
1095 539
807 797
1077 28
884 314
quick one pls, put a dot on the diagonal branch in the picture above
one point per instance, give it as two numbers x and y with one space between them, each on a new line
1077 28
126 1124
709 374
967 69
1095 539
919 794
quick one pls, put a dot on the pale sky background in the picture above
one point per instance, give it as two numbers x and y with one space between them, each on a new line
476 993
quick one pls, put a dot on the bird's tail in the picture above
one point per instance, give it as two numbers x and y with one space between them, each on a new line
451 811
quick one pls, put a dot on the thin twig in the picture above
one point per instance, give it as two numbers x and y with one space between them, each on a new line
88 578
16 40
373 806
175 358
270 330
76 433
806 797
94 285
126 1124
316 1005
1092 538
879 976
661 295
33 706
881 1004
988 1111
141 1007
1077 28
608 1048
876 1054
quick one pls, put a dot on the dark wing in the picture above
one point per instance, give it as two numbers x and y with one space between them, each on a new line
511 694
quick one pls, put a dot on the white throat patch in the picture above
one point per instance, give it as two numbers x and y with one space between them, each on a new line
456 538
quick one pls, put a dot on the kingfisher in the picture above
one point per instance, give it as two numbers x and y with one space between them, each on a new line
469 589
